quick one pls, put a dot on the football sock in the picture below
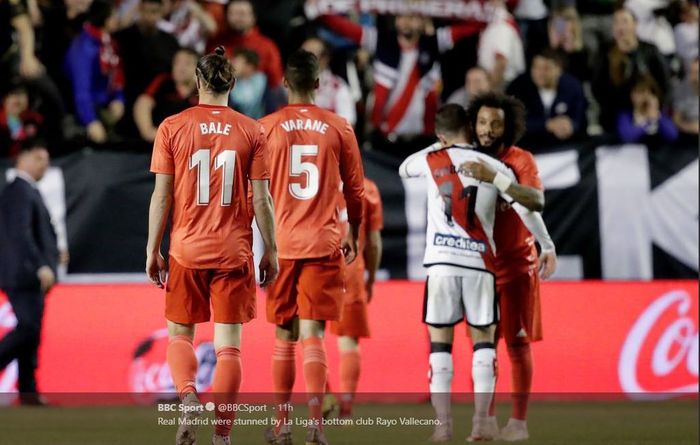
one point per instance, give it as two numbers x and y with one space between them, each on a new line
484 376
441 372
315 373
349 376
492 405
283 376
328 383
521 375
227 381
182 362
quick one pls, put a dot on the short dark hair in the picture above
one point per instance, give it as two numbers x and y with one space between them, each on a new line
99 12
231 2
551 54
249 55
302 71
513 114
451 119
30 144
646 82
15 87
216 72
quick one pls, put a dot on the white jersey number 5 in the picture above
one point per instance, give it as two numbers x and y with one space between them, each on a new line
298 168
226 160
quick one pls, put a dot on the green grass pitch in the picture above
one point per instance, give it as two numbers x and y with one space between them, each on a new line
550 423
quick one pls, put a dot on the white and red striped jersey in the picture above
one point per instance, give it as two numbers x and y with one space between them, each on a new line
461 209
334 95
405 79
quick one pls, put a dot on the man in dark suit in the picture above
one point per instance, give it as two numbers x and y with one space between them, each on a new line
554 100
28 260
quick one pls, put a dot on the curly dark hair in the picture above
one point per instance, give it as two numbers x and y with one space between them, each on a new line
513 110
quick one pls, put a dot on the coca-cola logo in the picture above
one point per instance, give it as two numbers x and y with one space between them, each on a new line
659 358
150 377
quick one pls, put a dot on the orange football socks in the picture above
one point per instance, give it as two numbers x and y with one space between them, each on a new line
183 364
315 374
227 381
283 376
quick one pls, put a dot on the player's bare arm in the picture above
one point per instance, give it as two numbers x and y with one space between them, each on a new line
373 257
158 213
535 224
352 175
529 197
265 217
349 244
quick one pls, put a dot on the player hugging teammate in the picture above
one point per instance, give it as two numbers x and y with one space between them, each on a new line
483 204
481 212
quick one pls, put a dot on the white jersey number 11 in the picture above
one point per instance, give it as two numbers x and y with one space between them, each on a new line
226 160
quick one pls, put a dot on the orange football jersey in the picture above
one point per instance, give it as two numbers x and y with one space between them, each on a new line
515 244
311 151
373 219
213 152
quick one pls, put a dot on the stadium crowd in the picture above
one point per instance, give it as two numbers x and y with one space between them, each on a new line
105 73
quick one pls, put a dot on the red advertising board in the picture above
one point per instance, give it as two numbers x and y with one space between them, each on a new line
614 337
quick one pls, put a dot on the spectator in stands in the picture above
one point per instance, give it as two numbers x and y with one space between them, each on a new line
627 59
17 51
146 51
217 10
63 21
94 68
168 94
242 32
189 22
127 12
500 49
248 95
18 62
554 100
686 102
596 26
566 38
652 26
646 123
476 81
17 121
686 32
333 92
406 73
531 16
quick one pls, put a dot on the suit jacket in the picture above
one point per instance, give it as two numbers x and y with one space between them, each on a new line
27 237
569 101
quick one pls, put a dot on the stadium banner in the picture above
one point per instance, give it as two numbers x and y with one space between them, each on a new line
449 9
601 339
615 212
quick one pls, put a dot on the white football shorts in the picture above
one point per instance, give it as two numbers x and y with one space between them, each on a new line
451 299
